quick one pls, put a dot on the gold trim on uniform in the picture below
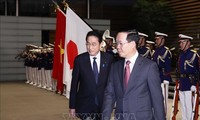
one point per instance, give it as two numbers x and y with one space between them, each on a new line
147 52
189 62
164 55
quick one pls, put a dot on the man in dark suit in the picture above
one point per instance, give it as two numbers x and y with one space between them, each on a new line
89 79
134 84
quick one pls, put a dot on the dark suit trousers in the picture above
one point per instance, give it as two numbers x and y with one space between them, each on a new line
94 115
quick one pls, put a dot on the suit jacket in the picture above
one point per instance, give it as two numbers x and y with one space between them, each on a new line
142 99
83 86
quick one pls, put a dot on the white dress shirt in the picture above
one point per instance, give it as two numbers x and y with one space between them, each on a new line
132 60
97 60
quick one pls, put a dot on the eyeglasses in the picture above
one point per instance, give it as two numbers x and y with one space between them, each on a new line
121 43
91 44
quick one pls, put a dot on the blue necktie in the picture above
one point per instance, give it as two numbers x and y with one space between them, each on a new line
95 70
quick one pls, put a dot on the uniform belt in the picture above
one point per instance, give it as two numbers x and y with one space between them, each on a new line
186 75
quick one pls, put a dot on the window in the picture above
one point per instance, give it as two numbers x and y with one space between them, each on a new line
2 7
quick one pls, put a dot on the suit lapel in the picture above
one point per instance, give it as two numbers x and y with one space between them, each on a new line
87 62
121 74
136 68
102 65
89 69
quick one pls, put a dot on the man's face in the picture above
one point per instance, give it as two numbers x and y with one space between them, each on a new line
109 41
159 41
93 45
184 44
141 41
125 48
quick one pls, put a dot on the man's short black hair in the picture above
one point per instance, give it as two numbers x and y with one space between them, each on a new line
133 36
95 33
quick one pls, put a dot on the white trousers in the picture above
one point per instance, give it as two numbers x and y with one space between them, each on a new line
48 78
165 89
35 75
44 83
40 78
30 72
186 104
54 84
27 74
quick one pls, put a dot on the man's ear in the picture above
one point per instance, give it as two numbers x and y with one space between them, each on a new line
134 43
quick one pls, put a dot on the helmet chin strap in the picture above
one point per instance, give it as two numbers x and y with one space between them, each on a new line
141 43
185 46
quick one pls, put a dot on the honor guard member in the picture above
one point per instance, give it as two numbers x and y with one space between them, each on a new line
43 65
26 64
39 60
54 84
108 44
48 69
188 69
30 70
162 57
37 52
142 49
108 40
34 67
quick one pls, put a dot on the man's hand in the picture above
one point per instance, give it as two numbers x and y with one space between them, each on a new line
166 82
193 88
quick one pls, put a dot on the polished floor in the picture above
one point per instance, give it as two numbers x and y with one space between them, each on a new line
21 101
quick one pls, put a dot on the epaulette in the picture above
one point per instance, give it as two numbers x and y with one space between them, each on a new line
193 51
166 47
162 58
172 49
147 52
148 48
189 62
168 50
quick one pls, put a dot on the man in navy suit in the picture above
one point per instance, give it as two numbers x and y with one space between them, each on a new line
134 84
89 80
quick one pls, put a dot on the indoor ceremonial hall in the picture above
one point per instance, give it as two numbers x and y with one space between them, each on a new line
45 47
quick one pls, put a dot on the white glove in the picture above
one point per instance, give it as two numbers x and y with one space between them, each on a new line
114 50
166 82
193 88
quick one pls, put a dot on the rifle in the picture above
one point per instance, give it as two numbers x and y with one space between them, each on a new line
175 102
195 107
165 97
